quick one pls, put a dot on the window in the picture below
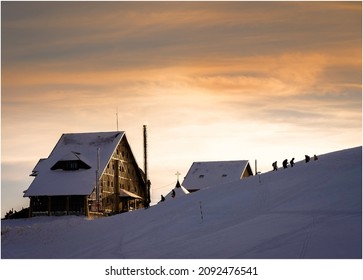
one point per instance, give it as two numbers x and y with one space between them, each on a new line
70 165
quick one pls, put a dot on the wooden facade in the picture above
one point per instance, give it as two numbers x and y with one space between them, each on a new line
121 174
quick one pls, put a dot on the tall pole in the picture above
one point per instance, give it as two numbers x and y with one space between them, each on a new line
145 153
98 180
145 167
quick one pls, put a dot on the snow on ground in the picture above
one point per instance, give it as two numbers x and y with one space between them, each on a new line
313 210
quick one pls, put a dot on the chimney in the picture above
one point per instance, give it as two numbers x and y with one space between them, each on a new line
147 182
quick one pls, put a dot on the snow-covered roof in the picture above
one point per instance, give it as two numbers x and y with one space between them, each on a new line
178 191
206 174
74 146
125 193
37 167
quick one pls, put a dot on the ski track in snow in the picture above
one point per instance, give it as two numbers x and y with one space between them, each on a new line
307 238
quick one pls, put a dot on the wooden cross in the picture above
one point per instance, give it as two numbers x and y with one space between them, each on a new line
177 175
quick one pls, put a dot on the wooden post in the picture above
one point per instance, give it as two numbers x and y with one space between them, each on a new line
117 186
31 207
67 205
86 210
49 205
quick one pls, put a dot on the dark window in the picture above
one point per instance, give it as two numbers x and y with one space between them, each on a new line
70 165
58 203
76 203
39 204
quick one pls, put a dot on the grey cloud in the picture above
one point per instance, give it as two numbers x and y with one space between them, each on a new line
118 33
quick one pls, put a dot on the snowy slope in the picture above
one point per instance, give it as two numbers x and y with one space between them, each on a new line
313 210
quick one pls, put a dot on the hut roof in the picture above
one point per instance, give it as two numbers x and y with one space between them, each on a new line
74 147
206 174
179 191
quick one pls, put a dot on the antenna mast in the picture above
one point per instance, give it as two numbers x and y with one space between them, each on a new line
117 118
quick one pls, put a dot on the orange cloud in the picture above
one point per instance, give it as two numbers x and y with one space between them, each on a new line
191 62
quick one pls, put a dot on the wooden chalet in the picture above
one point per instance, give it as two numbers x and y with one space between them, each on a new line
88 174
206 174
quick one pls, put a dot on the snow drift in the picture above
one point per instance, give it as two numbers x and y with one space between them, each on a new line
313 210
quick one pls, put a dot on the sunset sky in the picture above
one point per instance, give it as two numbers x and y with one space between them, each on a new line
212 80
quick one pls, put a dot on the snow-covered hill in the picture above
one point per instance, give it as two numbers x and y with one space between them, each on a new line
313 210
